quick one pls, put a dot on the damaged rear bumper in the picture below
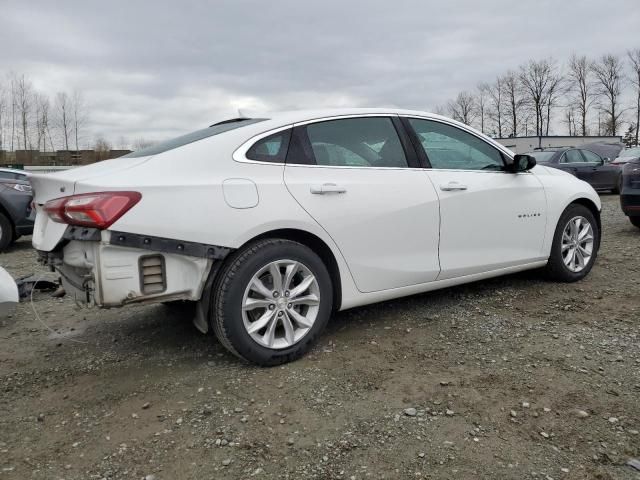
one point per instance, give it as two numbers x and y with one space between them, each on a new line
112 269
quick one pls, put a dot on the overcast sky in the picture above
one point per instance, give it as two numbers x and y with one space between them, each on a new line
157 69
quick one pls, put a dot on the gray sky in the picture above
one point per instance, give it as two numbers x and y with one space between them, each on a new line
156 69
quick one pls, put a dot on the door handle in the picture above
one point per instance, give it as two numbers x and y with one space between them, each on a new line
327 188
452 186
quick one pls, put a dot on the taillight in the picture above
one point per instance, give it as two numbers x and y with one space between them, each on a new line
98 210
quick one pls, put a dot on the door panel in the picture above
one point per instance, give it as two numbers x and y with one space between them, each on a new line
497 221
385 223
489 218
603 175
352 176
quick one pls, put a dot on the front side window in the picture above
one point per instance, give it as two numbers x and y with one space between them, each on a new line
591 157
572 156
448 147
271 149
356 142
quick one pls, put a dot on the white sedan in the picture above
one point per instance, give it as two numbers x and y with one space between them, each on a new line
271 224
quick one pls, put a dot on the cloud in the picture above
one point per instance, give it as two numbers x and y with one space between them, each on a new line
158 69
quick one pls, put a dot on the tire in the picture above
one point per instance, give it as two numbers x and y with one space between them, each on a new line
556 268
635 221
235 297
6 232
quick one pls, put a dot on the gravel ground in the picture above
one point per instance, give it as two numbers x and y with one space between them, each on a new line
515 377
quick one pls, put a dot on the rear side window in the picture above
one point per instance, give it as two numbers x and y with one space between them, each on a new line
271 149
355 142
216 129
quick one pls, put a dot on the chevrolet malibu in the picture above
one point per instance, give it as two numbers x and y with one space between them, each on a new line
271 224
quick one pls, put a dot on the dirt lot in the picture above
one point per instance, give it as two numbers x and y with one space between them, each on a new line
510 378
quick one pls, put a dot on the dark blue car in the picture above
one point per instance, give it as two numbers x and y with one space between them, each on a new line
15 206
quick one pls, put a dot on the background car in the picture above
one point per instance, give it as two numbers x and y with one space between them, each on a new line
14 174
627 155
630 190
597 171
15 209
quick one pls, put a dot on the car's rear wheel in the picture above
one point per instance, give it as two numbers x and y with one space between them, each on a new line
575 245
6 232
635 221
272 300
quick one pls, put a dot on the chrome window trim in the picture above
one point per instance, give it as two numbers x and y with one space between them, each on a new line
239 155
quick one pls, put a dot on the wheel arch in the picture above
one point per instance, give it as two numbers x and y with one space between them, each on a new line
593 208
319 247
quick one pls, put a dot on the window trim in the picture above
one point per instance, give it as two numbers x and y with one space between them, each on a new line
506 158
239 153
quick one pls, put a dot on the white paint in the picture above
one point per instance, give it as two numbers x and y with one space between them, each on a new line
240 193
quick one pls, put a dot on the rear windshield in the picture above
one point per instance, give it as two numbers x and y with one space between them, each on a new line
193 137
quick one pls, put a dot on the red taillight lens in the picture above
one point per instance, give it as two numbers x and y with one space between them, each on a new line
98 210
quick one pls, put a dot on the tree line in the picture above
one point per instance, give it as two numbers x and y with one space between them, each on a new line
588 93
30 120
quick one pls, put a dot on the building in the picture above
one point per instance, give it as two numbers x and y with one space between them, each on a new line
528 144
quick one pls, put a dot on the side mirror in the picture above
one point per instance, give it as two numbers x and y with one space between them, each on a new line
606 160
522 163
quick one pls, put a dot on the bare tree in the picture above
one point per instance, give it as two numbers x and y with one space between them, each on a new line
101 147
496 102
482 104
579 77
609 79
535 79
78 114
140 143
570 119
634 58
440 110
64 117
42 121
513 99
24 97
555 91
463 108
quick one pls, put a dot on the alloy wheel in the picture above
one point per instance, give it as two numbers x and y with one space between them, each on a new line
577 244
280 304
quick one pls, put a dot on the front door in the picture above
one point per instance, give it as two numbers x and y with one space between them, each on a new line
490 218
353 176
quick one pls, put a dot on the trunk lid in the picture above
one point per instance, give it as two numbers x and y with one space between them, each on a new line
47 186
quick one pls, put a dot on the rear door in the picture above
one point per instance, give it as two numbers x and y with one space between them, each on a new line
489 218
359 179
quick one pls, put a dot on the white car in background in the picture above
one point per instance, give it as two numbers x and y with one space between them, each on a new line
271 224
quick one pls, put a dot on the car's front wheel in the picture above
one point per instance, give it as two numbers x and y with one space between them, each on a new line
272 300
635 221
575 245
